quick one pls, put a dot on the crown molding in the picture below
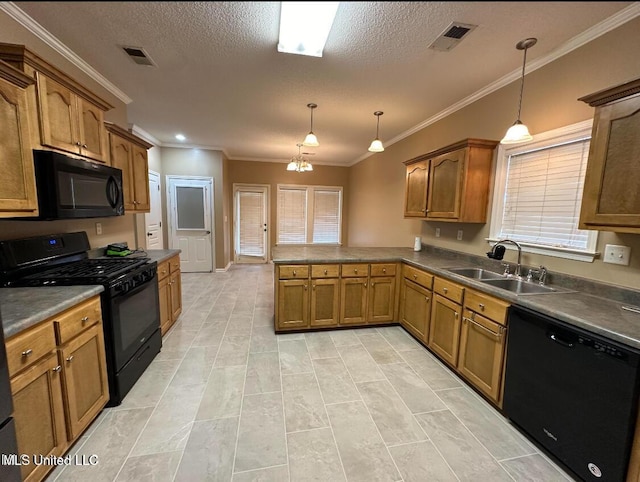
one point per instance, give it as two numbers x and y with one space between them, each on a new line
611 23
39 31
138 131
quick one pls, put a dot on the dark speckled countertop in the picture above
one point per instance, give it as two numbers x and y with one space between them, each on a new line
22 308
574 302
161 255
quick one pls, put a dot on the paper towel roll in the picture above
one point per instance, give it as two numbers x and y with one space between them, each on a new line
417 245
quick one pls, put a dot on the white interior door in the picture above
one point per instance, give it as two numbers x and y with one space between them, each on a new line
153 219
251 205
191 218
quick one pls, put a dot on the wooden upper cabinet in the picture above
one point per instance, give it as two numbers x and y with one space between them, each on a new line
129 153
457 185
611 199
417 182
18 186
70 116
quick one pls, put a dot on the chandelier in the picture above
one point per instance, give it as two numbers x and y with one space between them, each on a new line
299 163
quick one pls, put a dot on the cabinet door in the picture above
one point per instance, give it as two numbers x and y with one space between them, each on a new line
293 304
39 414
86 390
482 344
140 167
325 302
445 185
444 333
611 197
382 296
415 309
176 295
120 155
416 183
164 297
58 115
353 297
18 187
92 131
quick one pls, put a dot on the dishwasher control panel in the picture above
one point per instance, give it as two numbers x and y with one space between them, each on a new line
602 347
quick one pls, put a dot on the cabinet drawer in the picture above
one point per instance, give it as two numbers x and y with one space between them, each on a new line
74 321
355 270
163 270
448 289
325 270
383 269
417 276
294 271
487 306
174 264
27 347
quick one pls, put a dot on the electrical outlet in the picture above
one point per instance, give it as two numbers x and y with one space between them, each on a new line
459 234
616 254
98 228
437 232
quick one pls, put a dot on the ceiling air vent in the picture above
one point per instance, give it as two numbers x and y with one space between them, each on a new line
139 56
451 36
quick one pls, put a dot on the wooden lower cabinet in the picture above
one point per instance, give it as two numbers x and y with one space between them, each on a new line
39 414
415 309
292 304
169 292
353 296
444 332
381 299
85 384
325 302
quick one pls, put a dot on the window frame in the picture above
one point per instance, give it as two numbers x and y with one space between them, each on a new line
310 190
574 132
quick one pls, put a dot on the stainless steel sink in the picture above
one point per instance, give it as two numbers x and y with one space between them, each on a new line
476 273
520 287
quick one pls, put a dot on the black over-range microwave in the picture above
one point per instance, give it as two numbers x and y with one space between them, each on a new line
70 188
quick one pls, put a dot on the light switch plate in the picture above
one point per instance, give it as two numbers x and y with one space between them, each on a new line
617 254
459 235
98 228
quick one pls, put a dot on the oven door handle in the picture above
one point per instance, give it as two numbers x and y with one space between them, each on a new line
137 289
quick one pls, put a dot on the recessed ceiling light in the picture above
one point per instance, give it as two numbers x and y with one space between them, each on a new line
305 26
180 137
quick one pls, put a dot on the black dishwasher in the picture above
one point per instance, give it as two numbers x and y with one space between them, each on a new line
572 392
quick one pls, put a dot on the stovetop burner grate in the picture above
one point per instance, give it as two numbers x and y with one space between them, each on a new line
90 269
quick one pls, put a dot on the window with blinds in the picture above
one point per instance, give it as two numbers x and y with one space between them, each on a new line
251 223
309 214
541 193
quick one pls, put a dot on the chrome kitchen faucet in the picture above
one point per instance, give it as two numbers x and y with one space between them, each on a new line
493 254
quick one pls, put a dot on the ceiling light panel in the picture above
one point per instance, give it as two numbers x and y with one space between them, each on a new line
305 26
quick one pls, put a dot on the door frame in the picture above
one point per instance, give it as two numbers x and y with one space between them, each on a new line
162 228
171 210
236 188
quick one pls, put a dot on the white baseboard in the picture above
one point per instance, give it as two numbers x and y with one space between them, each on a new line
225 269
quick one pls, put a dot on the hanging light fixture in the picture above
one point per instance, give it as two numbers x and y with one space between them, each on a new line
311 140
299 163
519 132
376 144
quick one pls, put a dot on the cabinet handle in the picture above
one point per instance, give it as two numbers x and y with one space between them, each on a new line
481 306
355 270
78 143
294 272
496 335
70 359
365 284
305 287
384 270
456 315
56 369
84 319
372 284
313 287
426 298
325 272
446 290
415 276
84 145
27 353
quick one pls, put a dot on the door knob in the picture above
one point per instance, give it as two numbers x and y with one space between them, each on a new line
208 232
148 234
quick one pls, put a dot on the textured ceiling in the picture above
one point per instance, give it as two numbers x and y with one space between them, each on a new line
220 81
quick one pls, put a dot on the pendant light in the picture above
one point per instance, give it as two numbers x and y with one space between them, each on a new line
519 132
311 140
299 163
376 144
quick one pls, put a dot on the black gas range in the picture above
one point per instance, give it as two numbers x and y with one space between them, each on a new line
130 304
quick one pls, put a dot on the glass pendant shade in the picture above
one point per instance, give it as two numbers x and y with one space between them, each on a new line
518 132
299 163
292 166
311 140
376 144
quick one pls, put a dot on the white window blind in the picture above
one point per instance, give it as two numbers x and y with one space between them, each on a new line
543 194
251 210
292 215
309 214
326 216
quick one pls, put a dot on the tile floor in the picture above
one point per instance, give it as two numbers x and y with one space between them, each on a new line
228 400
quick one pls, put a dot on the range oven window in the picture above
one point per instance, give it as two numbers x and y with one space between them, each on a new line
135 318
